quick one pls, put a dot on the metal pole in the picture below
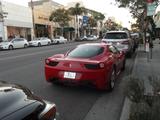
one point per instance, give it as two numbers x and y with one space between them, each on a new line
2 21
32 7
150 53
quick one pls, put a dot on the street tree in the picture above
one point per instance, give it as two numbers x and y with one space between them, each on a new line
75 11
91 23
98 16
137 8
61 16
112 25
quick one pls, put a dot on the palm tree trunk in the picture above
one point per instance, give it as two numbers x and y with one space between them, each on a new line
76 26
62 31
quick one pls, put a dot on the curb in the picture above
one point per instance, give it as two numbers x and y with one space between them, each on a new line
126 109
127 103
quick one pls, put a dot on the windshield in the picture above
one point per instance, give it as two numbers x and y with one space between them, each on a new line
37 39
5 41
86 51
116 36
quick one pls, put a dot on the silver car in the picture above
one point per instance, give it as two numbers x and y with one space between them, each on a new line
40 41
14 43
121 39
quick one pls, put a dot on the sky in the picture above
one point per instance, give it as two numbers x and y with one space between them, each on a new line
107 7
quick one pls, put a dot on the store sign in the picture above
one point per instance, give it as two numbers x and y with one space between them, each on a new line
85 20
151 7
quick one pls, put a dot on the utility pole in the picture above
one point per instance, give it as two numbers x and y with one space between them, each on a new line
32 7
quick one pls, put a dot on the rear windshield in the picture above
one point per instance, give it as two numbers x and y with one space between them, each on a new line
86 51
116 36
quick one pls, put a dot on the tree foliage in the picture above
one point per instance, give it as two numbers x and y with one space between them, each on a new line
60 16
77 10
134 5
92 22
98 16
112 25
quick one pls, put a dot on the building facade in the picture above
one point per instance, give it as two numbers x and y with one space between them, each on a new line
17 21
42 10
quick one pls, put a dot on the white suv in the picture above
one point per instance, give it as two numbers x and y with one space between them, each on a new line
121 39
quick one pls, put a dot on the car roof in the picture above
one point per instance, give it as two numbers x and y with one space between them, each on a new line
96 44
116 32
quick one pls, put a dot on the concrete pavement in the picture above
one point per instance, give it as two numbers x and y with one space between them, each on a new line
143 69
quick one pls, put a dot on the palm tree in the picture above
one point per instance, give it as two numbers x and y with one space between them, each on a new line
77 10
61 16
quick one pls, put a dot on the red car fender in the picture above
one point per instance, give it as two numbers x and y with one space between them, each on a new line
109 64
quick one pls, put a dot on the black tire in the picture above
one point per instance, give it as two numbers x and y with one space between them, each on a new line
25 45
129 54
10 47
39 44
58 42
56 82
112 80
124 65
49 43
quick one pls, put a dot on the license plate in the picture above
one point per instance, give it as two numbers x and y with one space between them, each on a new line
70 75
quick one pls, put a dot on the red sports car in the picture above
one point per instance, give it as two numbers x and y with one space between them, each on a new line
94 63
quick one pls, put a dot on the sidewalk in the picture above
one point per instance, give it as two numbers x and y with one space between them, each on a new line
143 69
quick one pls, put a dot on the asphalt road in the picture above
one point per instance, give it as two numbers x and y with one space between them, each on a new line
26 67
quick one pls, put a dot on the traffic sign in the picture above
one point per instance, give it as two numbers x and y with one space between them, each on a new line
151 7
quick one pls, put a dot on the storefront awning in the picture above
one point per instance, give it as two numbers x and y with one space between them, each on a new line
68 29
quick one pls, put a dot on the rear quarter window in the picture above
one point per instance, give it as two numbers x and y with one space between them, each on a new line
86 51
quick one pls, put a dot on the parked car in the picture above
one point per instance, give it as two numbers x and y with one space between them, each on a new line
14 43
40 42
97 64
121 39
82 38
19 103
136 39
92 37
59 39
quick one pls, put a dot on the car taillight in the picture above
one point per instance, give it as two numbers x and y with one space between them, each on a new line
95 66
101 65
47 61
125 42
51 63
49 113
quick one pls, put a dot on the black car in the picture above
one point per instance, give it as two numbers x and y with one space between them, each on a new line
18 103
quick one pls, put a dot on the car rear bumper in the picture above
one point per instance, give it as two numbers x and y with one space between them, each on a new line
94 77
33 44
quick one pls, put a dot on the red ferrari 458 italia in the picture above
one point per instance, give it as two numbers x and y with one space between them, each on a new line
97 64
